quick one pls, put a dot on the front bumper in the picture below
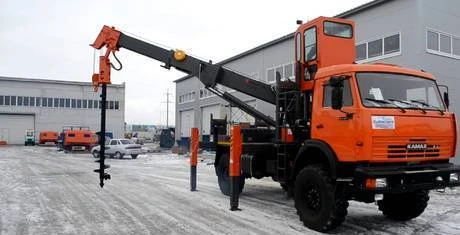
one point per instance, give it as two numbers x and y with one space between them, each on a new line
400 179
133 151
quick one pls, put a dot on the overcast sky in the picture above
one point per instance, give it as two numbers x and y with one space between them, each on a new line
50 39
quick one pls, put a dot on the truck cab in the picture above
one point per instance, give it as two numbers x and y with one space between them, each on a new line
372 113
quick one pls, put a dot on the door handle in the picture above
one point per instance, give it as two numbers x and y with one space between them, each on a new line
319 126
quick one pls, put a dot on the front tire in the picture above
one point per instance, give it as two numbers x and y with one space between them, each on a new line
319 204
223 177
96 154
118 155
404 206
134 156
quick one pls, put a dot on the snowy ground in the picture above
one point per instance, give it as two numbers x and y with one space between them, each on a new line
43 191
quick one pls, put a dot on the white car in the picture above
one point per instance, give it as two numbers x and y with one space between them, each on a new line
118 148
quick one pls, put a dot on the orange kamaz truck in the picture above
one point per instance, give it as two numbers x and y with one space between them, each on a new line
48 137
77 138
340 131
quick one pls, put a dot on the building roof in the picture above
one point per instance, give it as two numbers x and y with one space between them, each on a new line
345 14
17 79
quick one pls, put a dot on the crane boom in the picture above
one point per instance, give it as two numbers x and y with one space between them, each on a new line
209 74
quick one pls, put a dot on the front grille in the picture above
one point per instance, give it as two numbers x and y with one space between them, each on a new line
401 151
397 147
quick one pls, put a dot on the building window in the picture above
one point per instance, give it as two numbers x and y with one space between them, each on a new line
111 105
391 44
50 102
379 48
13 100
56 102
78 104
19 100
375 48
67 103
74 103
286 71
279 71
117 105
205 93
96 104
7 99
441 43
26 101
61 102
2 99
271 75
32 101
188 97
90 104
38 101
84 104
44 102
289 71
432 40
361 51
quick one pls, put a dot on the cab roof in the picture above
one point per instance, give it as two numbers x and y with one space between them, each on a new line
376 67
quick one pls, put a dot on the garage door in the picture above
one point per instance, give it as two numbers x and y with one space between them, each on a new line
237 115
12 127
206 117
186 122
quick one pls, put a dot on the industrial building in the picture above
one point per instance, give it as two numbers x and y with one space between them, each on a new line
419 34
42 104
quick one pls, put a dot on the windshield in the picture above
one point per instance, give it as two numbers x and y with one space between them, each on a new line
398 90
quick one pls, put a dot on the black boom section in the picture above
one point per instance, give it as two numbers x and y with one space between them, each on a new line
209 74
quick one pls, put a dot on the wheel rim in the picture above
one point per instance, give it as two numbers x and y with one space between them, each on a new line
118 155
313 197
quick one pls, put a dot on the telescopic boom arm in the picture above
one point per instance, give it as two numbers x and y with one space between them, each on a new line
209 74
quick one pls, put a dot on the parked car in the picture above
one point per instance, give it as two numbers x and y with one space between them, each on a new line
118 148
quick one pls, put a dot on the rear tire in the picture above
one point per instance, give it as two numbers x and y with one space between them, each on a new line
134 156
222 175
404 206
96 154
319 204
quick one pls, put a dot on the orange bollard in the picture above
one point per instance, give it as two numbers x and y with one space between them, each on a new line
194 144
236 147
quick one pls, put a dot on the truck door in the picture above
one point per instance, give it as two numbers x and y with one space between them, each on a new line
333 126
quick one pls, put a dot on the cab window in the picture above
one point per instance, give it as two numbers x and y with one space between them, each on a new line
347 98
310 44
113 142
338 29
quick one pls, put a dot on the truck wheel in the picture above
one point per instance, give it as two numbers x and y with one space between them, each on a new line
222 175
404 206
319 206
134 156
96 154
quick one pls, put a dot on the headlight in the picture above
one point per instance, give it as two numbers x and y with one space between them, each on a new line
372 183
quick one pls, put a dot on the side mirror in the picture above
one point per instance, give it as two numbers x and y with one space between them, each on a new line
445 94
337 92
446 99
